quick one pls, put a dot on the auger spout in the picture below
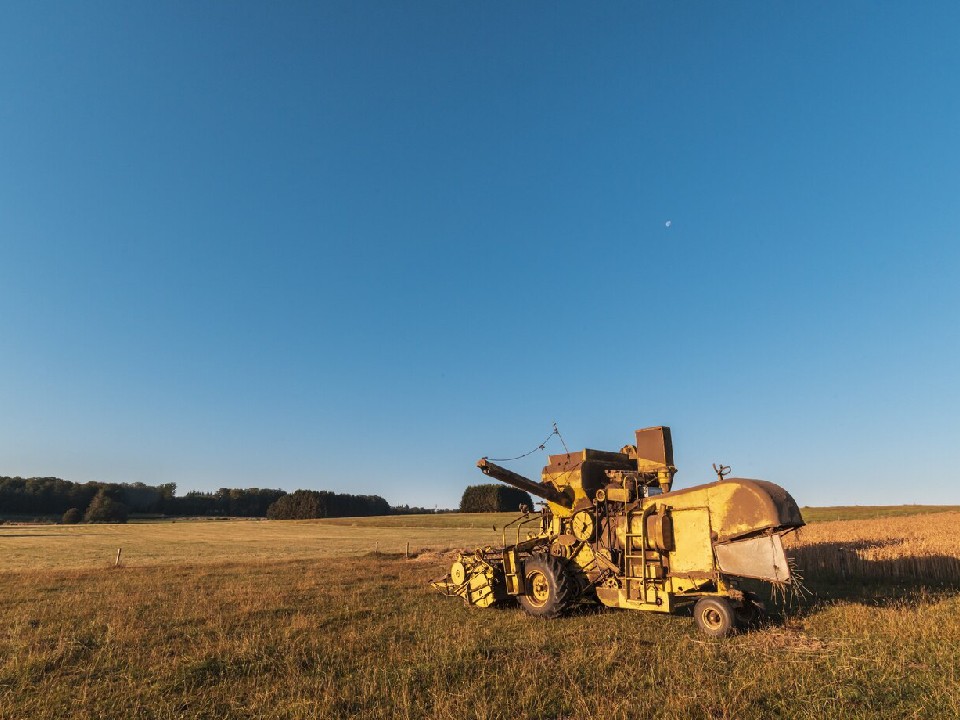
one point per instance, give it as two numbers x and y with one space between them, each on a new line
544 490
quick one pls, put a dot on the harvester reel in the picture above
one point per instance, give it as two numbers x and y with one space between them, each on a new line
550 590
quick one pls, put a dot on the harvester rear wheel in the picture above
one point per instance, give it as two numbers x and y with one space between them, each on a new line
714 616
550 590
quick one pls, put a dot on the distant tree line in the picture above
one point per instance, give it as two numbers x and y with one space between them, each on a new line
232 502
53 496
114 502
415 510
493 498
304 504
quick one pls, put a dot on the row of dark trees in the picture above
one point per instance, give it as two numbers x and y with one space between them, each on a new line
53 496
493 498
113 502
304 504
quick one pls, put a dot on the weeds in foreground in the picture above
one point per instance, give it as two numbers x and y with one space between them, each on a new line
366 638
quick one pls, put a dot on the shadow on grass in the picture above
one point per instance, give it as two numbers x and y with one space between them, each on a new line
834 571
853 561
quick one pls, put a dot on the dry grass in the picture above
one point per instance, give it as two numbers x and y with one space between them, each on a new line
27 547
922 549
867 512
292 620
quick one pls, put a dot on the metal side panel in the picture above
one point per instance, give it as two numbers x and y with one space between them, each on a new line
691 537
760 557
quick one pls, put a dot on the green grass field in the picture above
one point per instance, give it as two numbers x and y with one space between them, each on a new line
868 512
256 619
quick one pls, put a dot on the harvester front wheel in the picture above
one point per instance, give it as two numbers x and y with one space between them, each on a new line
549 588
714 616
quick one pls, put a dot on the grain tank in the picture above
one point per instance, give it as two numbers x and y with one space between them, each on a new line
612 530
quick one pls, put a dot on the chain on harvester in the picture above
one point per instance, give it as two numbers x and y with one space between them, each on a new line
541 446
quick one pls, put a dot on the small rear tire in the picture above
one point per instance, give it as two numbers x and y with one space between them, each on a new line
714 616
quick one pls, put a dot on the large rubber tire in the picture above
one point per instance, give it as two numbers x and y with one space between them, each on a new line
550 590
714 616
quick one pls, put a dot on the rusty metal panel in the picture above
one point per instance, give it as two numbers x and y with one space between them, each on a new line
573 460
760 557
655 445
740 507
564 461
786 507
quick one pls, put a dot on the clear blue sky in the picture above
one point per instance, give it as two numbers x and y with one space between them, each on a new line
356 246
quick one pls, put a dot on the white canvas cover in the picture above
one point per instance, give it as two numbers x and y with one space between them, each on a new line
759 557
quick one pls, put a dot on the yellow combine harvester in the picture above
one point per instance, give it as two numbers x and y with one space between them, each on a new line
612 531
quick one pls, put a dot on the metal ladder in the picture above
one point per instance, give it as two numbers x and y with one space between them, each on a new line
630 556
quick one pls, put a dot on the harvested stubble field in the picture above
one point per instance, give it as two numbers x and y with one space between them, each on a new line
916 549
301 620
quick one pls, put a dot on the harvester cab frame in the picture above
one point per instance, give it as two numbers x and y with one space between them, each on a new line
612 530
